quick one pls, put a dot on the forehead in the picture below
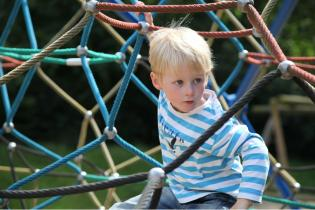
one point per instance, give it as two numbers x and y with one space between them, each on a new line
183 72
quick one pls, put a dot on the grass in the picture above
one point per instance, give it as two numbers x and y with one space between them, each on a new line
82 201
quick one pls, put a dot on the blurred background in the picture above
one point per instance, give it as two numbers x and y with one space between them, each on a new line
44 117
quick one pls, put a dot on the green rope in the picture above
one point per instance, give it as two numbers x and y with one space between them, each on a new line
288 202
102 57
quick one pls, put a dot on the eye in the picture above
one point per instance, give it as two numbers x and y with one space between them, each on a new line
197 81
179 82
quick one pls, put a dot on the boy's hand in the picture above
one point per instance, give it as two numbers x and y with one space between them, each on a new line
242 203
147 15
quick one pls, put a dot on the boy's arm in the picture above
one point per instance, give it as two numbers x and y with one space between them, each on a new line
255 163
242 203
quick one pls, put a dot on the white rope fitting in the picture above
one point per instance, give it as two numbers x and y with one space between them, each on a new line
114 176
277 167
90 6
242 3
82 50
144 27
102 208
256 33
78 158
88 114
82 175
11 146
284 68
242 55
110 133
8 127
122 57
297 186
36 170
157 174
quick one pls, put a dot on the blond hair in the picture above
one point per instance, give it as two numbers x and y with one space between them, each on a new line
173 47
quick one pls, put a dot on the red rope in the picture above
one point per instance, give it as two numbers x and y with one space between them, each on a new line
256 20
298 72
266 56
136 26
166 8
268 62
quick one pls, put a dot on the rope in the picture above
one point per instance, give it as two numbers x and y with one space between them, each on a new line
256 20
267 9
166 8
46 51
308 89
75 189
136 26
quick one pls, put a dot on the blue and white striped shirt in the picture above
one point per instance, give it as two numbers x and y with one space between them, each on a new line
216 165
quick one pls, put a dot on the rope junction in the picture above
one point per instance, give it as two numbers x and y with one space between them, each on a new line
29 61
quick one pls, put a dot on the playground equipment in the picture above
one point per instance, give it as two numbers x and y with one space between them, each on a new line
15 57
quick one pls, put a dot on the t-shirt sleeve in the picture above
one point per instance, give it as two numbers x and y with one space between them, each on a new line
255 159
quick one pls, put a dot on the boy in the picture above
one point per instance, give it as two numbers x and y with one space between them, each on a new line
214 175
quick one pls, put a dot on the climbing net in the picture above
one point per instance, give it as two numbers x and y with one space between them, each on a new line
19 61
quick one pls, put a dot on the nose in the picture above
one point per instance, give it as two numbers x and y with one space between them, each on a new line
189 90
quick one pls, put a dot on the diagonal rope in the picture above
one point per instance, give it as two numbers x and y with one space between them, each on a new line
46 51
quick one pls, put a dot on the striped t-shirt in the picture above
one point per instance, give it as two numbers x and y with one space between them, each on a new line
233 160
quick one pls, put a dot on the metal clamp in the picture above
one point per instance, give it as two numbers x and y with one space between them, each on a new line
11 146
144 27
122 57
110 133
243 54
82 175
82 50
284 68
8 127
88 114
90 6
242 3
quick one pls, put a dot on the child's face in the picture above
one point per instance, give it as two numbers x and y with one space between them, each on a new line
184 89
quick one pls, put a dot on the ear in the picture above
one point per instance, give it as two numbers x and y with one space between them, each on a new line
155 81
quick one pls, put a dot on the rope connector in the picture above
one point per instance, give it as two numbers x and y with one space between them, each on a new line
256 33
114 176
88 114
8 127
90 6
243 54
297 186
110 133
157 174
277 167
82 50
122 57
144 27
11 146
284 67
82 175
242 3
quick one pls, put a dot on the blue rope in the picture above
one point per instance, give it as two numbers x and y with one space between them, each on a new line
47 202
125 82
41 148
58 163
141 86
231 77
89 74
136 151
10 22
30 74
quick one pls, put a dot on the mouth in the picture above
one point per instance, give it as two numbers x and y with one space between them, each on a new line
189 102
